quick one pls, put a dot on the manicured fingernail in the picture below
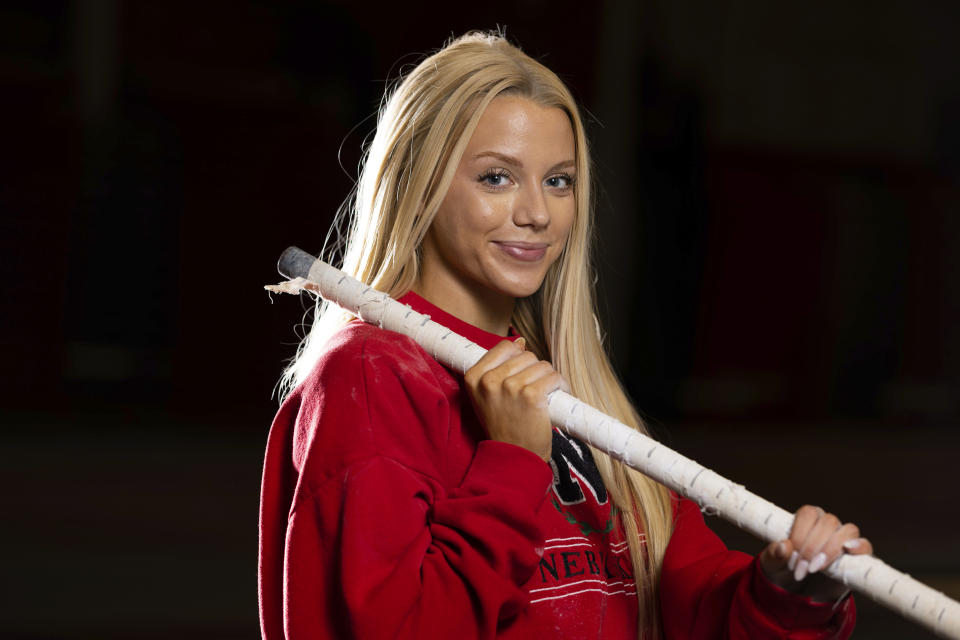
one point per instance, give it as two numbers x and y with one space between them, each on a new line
817 563
521 342
782 549
792 562
801 571
850 545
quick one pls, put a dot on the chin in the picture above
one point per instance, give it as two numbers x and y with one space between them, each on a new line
522 289
512 282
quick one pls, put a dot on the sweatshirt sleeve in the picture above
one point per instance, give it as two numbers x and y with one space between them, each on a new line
709 592
383 546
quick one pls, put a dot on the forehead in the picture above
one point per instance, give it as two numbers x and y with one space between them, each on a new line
518 126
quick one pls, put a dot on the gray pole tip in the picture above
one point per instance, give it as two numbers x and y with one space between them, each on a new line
295 263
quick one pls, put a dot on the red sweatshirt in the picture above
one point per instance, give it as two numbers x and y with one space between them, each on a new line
386 513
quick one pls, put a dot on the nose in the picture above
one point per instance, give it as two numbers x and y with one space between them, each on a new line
532 209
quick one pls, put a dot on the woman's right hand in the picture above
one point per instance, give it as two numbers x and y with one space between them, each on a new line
509 388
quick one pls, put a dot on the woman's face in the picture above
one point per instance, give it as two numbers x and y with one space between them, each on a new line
509 209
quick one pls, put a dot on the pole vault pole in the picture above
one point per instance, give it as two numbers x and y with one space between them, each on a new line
715 494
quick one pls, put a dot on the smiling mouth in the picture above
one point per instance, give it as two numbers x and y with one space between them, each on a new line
524 251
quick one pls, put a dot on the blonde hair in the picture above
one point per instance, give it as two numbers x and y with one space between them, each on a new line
424 125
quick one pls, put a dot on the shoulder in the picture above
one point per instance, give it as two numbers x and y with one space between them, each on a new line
363 353
374 392
362 368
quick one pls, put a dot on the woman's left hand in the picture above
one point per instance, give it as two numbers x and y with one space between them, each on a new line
816 540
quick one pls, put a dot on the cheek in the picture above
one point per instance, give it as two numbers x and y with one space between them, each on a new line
564 229
482 213
447 225
463 213
566 221
446 234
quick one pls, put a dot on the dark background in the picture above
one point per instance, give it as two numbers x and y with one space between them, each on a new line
778 233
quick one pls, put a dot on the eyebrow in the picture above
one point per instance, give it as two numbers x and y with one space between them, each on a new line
516 161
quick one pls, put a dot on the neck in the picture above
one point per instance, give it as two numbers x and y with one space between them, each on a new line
484 310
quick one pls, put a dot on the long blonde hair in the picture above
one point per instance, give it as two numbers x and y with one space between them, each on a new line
424 125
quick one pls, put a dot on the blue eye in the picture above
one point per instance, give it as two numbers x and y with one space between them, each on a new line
494 178
561 181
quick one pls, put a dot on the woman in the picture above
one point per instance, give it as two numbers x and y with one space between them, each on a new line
400 499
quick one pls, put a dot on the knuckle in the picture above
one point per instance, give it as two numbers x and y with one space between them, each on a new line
530 395
488 383
512 386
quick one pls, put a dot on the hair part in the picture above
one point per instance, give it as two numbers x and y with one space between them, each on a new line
423 128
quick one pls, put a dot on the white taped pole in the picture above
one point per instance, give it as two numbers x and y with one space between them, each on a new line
715 494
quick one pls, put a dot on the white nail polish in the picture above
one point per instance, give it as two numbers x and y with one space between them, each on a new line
792 562
781 548
801 571
850 545
818 561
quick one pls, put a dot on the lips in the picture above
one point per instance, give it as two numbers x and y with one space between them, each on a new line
524 251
